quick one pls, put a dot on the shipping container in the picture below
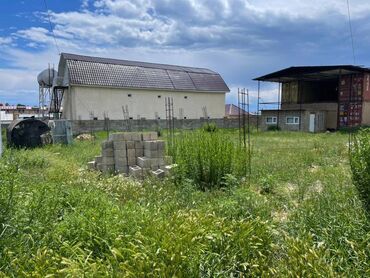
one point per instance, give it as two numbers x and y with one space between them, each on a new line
351 89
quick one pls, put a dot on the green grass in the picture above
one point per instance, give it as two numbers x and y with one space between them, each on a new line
210 159
360 166
300 215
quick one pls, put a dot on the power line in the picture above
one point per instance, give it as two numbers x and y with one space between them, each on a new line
51 27
351 32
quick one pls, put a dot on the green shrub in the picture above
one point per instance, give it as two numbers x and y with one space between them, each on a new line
209 127
208 158
360 166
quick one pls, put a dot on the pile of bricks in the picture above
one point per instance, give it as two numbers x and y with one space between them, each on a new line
133 153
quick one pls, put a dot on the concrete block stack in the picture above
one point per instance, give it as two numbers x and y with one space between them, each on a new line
134 153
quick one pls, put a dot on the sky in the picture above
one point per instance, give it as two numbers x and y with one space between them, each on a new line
240 39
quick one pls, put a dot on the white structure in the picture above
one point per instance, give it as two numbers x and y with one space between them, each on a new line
97 87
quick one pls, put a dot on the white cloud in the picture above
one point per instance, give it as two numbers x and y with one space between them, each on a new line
5 40
241 39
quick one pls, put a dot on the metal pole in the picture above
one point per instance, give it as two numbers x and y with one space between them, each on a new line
1 137
278 106
243 106
239 118
258 103
300 105
249 140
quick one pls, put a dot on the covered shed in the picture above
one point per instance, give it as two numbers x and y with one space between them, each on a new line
318 98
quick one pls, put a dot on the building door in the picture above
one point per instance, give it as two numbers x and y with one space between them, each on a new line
311 127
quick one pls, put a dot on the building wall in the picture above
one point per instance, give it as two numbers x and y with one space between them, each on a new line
80 103
331 109
139 125
304 116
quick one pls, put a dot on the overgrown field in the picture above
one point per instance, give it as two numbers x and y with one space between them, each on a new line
298 215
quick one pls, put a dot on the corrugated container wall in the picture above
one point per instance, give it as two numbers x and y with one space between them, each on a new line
350 100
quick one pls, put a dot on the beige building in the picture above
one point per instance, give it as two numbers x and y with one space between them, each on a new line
94 88
319 98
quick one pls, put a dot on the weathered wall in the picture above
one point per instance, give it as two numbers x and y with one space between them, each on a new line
138 125
304 116
81 103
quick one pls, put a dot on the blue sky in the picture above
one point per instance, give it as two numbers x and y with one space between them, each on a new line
240 39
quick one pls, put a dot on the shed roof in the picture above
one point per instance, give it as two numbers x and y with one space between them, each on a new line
97 71
311 73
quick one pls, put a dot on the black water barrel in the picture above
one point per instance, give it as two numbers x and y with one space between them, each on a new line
26 133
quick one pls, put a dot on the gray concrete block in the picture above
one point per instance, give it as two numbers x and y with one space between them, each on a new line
121 169
108 160
98 159
135 171
119 145
120 153
91 165
153 135
106 144
150 145
146 136
139 145
144 162
117 136
160 153
150 153
161 161
136 136
107 152
131 161
127 136
131 153
139 152
158 173
105 168
122 161
160 145
130 145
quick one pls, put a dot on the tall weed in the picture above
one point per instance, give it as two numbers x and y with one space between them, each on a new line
360 166
208 158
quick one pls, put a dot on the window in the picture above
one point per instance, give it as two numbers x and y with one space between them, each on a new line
271 120
185 97
159 96
129 95
292 120
184 118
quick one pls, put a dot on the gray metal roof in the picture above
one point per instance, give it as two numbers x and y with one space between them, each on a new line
311 73
96 71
